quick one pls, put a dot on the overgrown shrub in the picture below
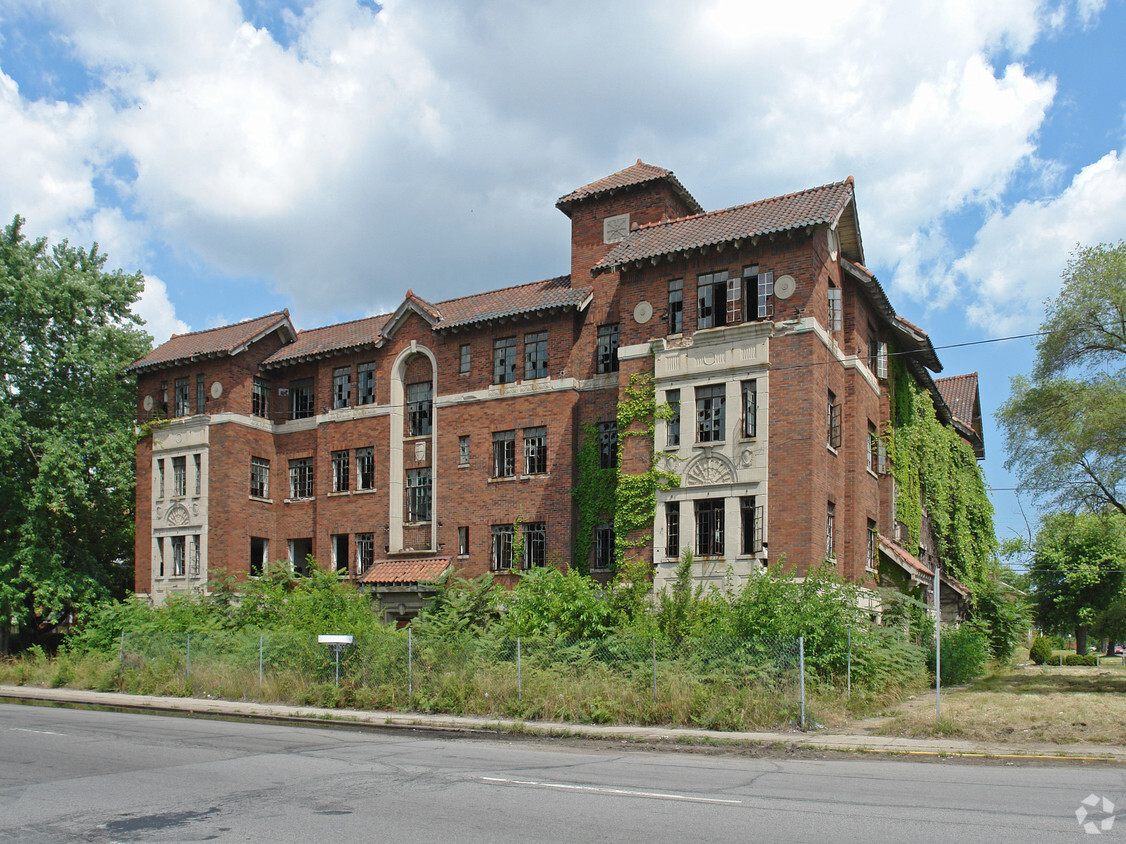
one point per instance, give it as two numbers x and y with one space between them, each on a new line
1041 650
964 654
1081 659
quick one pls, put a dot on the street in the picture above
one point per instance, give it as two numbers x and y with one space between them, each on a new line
68 775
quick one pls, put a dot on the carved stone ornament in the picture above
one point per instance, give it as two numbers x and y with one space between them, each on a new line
178 515
707 471
746 458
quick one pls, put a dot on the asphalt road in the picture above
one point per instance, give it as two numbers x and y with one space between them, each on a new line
74 775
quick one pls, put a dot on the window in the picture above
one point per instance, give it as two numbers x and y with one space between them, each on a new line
163 398
195 556
259 549
607 348
198 459
340 479
259 477
301 478
179 476
873 448
709 528
672 425
830 517
299 552
751 517
676 306
178 556
463 450
672 529
760 293
160 478
301 399
535 355
182 397
504 454
873 350
365 468
603 548
711 290
342 386
463 541
504 360
340 552
501 536
365 552
873 546
607 445
833 418
419 408
160 556
836 309
200 394
535 451
710 413
418 495
734 301
463 359
750 408
882 360
535 544
365 383
260 398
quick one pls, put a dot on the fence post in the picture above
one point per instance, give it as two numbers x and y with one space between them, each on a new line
801 676
849 665
653 641
189 667
519 679
259 664
121 651
410 669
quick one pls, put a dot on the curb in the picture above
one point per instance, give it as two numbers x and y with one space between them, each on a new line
470 727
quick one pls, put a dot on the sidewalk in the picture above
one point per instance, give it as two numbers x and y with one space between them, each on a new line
469 724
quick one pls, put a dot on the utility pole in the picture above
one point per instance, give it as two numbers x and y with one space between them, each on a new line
937 646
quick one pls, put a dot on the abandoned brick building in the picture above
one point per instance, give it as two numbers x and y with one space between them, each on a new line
448 434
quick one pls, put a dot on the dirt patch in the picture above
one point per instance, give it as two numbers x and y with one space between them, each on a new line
1026 704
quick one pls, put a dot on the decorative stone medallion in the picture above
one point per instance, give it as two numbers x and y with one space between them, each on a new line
178 515
708 471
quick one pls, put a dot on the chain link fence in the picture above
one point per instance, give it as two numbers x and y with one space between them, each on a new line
718 683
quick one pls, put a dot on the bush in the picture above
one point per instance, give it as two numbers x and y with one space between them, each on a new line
1084 659
1041 650
964 653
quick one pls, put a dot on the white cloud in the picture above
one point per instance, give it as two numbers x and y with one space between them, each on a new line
423 146
157 311
1018 255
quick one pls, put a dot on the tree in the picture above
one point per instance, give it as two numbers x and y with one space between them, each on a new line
1077 571
67 436
1063 425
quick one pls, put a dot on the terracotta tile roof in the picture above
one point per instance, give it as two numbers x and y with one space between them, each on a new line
547 295
317 342
406 571
815 206
224 340
960 394
905 559
635 174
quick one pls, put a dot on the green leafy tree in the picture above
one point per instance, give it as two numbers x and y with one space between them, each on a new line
67 437
1077 571
1063 424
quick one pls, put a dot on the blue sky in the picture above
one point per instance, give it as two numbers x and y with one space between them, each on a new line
327 155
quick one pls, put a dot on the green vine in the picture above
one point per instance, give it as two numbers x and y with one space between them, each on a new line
936 470
594 496
636 498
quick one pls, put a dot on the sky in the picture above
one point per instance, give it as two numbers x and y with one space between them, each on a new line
327 155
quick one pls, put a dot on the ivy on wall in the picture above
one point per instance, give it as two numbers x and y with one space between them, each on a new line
935 469
615 496
636 495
